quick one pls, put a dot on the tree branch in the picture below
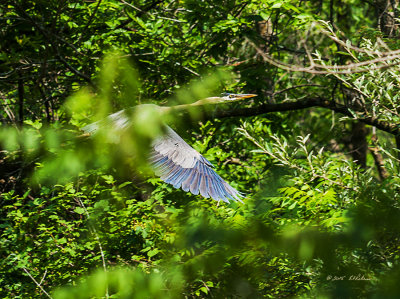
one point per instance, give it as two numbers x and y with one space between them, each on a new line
20 100
378 159
74 70
303 104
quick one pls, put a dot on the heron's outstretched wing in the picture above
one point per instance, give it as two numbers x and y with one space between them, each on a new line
117 120
178 164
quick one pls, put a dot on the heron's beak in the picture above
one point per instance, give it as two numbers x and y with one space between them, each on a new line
245 96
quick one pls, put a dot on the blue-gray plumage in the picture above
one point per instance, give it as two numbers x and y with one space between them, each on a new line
176 162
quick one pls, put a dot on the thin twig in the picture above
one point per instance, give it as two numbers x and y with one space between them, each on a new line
38 284
44 275
97 239
296 86
133 6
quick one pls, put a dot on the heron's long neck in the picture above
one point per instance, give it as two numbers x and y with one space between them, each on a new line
206 101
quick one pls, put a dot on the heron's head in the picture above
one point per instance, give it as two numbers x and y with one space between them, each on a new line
236 96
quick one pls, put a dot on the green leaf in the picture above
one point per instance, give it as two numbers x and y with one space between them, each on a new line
152 252
79 210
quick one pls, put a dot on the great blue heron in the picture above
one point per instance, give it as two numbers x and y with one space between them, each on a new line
175 161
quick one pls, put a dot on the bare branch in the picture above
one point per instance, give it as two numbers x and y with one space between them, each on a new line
319 69
38 284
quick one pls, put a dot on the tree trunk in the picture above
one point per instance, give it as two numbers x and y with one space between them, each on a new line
359 145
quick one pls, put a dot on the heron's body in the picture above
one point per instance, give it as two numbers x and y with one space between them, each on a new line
176 162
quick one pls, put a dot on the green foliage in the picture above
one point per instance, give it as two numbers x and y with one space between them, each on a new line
85 218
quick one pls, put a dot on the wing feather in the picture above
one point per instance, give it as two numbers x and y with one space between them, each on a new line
194 187
202 188
185 173
182 166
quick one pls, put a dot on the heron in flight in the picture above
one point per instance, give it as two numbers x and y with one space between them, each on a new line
175 161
